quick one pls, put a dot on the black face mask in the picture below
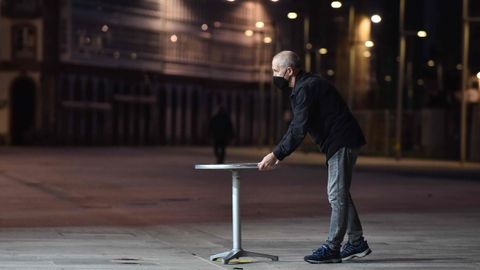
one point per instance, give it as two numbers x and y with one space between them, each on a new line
281 82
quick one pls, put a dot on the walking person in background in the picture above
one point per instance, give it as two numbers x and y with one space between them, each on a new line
318 109
221 129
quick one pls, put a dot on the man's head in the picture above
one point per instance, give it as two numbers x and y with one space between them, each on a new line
285 65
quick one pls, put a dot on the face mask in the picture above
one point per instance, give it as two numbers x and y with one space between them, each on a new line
281 82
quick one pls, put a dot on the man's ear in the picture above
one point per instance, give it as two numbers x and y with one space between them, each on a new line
290 71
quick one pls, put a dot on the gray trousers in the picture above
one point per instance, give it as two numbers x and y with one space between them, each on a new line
344 217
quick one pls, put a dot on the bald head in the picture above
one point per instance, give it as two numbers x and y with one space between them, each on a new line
286 59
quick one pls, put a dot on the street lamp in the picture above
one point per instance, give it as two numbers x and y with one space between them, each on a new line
421 34
478 83
336 4
292 15
376 18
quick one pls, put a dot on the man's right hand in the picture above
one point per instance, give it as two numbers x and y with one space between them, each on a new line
268 162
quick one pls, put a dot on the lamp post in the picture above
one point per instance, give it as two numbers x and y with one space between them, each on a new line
306 43
465 74
375 18
401 76
351 54
318 63
351 48
463 110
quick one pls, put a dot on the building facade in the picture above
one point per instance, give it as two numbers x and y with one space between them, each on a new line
105 72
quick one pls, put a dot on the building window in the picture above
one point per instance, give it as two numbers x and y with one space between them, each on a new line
24 42
21 8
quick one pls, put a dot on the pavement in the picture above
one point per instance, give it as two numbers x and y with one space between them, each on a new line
147 208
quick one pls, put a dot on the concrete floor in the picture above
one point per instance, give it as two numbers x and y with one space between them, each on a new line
146 208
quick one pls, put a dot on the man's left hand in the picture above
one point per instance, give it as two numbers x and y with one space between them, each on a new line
268 162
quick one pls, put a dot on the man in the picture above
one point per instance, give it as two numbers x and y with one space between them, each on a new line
319 110
221 128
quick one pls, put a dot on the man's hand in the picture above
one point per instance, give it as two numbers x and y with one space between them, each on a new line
268 162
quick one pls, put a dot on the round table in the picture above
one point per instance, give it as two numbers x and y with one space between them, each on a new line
237 250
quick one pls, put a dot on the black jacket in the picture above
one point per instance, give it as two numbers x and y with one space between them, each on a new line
319 110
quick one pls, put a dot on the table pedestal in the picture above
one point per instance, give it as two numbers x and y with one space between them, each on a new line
237 251
236 254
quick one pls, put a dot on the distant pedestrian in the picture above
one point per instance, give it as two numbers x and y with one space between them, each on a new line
318 109
221 130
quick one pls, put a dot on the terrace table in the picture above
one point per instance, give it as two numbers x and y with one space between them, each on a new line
237 250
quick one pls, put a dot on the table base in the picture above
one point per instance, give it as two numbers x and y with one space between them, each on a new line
226 257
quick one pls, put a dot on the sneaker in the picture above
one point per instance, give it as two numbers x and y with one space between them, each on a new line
324 255
350 251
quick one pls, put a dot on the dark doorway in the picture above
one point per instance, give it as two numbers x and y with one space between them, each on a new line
22 111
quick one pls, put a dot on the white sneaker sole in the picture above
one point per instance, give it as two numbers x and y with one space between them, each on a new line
358 255
325 261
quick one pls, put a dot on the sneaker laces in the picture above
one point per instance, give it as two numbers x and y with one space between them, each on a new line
320 251
348 248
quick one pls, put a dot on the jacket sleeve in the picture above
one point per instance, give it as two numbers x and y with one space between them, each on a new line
298 127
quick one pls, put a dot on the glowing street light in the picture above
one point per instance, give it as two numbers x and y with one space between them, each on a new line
430 63
369 44
204 27
422 33
367 54
376 18
259 24
292 15
478 75
323 51
173 38
248 33
336 4
267 40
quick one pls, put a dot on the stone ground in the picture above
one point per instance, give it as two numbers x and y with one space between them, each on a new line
147 208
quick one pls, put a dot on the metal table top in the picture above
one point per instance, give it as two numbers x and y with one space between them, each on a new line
230 166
